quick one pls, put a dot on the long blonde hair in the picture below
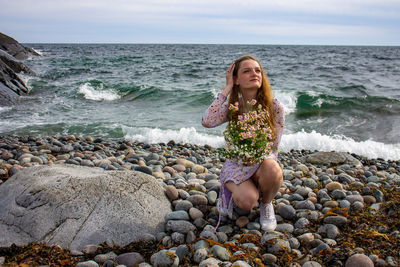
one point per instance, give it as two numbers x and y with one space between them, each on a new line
264 94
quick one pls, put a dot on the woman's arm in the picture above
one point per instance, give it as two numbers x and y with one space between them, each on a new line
280 124
217 113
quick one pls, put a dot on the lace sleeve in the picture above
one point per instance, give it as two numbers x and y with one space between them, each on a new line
280 124
217 112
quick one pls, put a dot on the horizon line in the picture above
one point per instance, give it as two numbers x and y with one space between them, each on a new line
183 43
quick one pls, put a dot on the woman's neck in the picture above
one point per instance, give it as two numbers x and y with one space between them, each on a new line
249 94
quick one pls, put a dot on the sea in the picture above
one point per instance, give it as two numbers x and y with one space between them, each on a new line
336 98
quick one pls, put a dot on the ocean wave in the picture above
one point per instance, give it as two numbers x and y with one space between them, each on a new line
288 100
317 141
298 141
97 94
183 135
4 109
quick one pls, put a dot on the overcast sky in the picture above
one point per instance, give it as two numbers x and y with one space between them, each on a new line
326 22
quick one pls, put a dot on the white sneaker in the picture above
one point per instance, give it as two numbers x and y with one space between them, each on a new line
267 217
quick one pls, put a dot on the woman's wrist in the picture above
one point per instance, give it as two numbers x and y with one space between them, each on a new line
227 90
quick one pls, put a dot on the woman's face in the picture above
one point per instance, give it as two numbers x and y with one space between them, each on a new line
249 75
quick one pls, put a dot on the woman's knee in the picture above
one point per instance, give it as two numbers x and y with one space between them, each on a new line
246 200
271 171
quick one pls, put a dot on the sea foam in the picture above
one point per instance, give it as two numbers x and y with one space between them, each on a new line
91 93
298 141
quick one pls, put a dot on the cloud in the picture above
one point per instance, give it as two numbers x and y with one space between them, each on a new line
218 20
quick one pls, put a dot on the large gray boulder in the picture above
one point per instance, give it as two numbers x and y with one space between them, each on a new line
74 206
331 159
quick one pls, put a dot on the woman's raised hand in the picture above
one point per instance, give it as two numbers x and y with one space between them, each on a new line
229 80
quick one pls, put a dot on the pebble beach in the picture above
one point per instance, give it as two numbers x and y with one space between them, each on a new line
328 215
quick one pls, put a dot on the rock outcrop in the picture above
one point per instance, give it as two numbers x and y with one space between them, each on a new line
11 54
74 206
331 159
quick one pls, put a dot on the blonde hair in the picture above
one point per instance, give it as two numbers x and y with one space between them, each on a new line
264 94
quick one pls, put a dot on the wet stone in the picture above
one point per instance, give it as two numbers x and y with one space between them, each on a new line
287 212
336 220
220 252
129 259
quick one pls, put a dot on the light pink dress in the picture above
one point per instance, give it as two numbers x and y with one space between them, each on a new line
215 115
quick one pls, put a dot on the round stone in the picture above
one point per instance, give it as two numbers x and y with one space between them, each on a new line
311 264
195 213
171 192
242 221
165 258
212 197
354 198
180 226
200 255
357 206
87 264
338 194
198 200
334 186
209 262
285 227
301 223
336 220
184 205
177 215
306 204
129 259
220 252
287 212
359 260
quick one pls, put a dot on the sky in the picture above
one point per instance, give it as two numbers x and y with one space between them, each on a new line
308 22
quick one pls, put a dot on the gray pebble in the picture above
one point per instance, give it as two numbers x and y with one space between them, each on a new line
177 215
311 264
180 226
336 220
184 205
357 206
165 258
200 244
209 235
101 258
285 227
210 262
338 194
200 255
182 251
294 243
220 252
354 198
306 204
178 238
240 264
87 264
301 223
287 212
212 197
129 259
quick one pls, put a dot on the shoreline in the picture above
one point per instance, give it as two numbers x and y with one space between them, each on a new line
311 198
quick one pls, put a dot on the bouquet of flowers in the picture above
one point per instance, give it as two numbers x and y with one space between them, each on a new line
249 138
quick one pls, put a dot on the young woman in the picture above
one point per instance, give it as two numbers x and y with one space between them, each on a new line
245 81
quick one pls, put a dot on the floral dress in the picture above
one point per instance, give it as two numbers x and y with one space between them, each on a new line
215 115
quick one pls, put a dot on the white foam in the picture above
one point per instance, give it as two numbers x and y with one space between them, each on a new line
183 135
38 51
91 93
317 141
4 109
298 141
288 99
